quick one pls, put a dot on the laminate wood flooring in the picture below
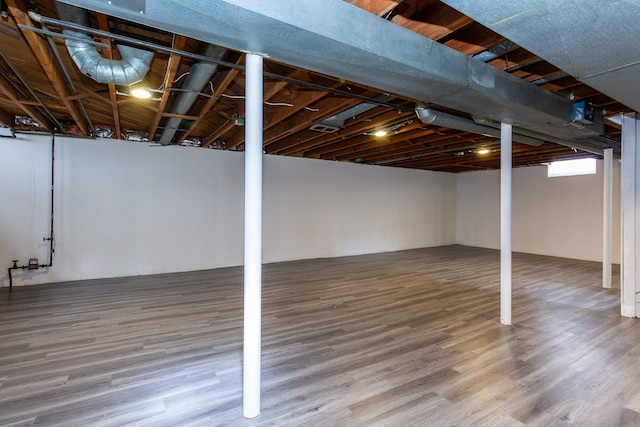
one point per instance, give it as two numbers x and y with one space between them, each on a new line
409 338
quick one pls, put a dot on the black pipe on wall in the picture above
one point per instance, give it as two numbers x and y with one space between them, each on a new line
33 262
51 237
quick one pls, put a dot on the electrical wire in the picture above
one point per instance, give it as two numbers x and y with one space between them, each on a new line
278 104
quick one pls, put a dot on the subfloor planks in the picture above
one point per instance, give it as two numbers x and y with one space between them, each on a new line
394 339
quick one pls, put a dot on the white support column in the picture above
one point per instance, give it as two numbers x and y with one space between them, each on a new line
252 237
630 197
607 216
505 224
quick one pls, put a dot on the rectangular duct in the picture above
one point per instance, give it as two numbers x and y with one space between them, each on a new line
338 39
559 31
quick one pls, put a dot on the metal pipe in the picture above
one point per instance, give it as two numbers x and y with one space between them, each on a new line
438 118
131 69
536 135
40 107
630 206
33 263
252 238
486 127
607 215
51 233
199 76
202 58
15 266
63 67
505 223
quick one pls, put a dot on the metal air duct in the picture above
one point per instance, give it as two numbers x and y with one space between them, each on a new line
336 121
131 69
199 76
519 132
341 40
438 118
560 32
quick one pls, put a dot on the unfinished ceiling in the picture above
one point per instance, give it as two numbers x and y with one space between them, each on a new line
335 74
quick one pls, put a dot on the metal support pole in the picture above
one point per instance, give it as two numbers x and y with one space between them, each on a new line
252 237
630 197
607 215
505 224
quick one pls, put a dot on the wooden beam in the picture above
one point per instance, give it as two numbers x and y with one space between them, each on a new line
377 7
281 140
361 136
431 141
140 103
217 92
180 116
269 92
7 88
374 143
474 38
226 127
87 92
219 89
442 20
313 140
29 102
169 76
43 54
6 119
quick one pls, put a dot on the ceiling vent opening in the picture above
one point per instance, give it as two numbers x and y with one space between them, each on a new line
324 127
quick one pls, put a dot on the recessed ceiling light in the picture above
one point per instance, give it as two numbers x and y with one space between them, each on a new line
483 151
140 93
380 133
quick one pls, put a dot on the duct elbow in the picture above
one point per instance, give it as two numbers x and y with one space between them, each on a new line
131 69
426 115
135 64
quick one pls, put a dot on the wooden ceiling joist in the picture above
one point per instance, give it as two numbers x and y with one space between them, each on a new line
377 7
321 143
217 92
398 143
271 90
292 105
11 92
6 119
365 139
103 25
435 22
294 144
42 52
177 43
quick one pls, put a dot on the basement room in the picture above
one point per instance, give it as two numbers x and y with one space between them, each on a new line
322 213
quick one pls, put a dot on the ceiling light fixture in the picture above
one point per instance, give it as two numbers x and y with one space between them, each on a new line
393 129
483 151
140 93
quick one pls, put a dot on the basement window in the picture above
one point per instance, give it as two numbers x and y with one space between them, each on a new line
572 167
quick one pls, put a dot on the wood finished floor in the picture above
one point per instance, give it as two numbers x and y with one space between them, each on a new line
409 338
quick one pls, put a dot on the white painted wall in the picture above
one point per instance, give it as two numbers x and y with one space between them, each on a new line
559 216
318 209
124 208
